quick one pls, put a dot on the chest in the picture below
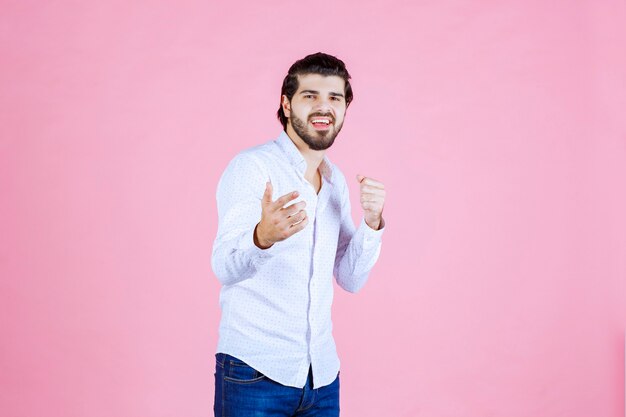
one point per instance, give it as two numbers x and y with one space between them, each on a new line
315 180
323 198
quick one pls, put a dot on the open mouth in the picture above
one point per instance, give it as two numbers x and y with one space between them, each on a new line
321 123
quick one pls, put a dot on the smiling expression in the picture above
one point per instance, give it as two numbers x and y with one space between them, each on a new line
317 109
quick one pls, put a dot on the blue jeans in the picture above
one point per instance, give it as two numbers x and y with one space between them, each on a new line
242 391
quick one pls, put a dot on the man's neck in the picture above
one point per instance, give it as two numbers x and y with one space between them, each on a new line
312 157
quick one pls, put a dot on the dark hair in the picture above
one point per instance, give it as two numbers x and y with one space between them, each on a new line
318 63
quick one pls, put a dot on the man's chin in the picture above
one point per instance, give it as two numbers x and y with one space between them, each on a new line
320 145
317 140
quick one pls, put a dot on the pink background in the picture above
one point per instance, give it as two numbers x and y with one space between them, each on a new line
498 130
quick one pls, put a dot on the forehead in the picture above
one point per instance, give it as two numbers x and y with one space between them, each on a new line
321 83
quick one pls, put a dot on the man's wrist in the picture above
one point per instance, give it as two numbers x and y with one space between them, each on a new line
375 224
260 243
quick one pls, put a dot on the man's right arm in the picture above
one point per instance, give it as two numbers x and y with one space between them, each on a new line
235 256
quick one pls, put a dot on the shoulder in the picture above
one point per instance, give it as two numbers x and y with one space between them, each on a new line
255 159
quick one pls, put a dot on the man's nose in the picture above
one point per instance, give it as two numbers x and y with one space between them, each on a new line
323 105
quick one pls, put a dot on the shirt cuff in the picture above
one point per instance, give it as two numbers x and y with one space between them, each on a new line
258 255
370 234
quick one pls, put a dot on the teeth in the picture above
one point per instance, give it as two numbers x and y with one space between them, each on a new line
320 121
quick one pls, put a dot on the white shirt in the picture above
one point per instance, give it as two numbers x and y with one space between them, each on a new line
276 302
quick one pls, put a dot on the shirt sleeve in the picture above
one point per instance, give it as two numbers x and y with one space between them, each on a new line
235 257
357 249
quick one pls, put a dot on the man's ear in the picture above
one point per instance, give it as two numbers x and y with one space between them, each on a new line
286 106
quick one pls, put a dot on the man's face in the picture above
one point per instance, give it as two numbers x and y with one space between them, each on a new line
317 109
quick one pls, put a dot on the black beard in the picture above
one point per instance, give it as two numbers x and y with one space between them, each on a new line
324 139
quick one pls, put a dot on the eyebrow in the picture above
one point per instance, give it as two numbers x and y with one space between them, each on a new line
317 92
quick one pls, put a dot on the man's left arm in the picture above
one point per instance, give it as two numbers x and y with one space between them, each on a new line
358 249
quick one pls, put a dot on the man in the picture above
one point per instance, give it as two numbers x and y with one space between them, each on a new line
276 257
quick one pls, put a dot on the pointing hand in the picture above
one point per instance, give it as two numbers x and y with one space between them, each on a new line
277 221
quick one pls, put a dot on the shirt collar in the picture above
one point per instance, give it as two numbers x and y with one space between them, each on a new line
296 159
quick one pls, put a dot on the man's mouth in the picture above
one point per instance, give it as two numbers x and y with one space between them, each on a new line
321 123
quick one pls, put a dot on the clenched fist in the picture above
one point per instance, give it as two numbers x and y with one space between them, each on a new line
277 221
372 201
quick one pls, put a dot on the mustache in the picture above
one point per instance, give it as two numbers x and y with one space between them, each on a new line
329 115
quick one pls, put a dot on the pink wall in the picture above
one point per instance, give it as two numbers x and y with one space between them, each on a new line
497 128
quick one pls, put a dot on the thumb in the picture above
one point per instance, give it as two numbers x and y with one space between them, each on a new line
359 177
267 195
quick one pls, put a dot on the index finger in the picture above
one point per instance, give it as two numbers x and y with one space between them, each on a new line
372 182
280 203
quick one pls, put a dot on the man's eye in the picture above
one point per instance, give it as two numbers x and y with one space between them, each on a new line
336 98
308 96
